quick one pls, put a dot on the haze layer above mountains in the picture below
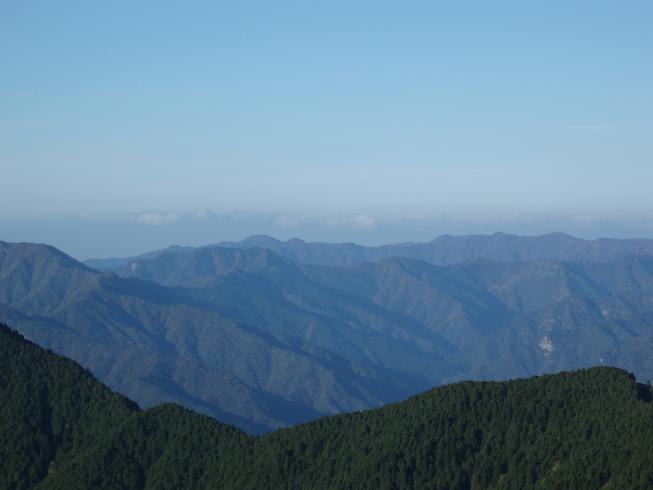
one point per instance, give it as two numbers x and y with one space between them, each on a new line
264 334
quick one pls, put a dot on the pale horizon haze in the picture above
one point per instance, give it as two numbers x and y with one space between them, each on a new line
130 126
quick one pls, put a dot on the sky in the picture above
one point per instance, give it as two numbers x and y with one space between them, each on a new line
127 126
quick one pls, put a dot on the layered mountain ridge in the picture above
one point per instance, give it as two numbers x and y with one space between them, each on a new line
259 340
443 250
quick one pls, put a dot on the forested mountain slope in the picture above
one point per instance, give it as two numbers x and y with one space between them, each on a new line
491 320
261 341
61 429
239 349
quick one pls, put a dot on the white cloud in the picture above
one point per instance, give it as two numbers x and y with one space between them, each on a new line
287 222
146 218
363 221
586 219
358 220
204 214
157 218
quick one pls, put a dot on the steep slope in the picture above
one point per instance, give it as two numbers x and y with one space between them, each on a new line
489 320
261 288
39 276
50 410
586 429
517 319
261 341
244 349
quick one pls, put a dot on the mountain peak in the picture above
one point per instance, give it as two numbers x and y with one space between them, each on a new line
33 252
260 239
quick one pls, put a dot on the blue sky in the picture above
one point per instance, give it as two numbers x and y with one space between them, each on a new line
331 119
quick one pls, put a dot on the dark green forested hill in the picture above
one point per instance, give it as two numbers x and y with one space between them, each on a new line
60 428
50 408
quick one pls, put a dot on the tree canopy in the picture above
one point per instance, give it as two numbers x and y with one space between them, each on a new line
62 429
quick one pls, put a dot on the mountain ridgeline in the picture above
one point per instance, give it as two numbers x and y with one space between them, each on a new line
265 334
444 250
62 429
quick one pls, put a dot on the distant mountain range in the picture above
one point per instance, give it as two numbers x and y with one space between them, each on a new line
264 334
61 429
444 250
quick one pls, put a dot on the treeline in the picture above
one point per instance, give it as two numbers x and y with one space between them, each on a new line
61 429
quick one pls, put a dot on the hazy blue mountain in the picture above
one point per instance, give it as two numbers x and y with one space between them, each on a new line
444 250
239 348
494 320
262 341
507 319
119 262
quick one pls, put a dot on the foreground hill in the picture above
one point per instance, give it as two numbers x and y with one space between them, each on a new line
61 429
